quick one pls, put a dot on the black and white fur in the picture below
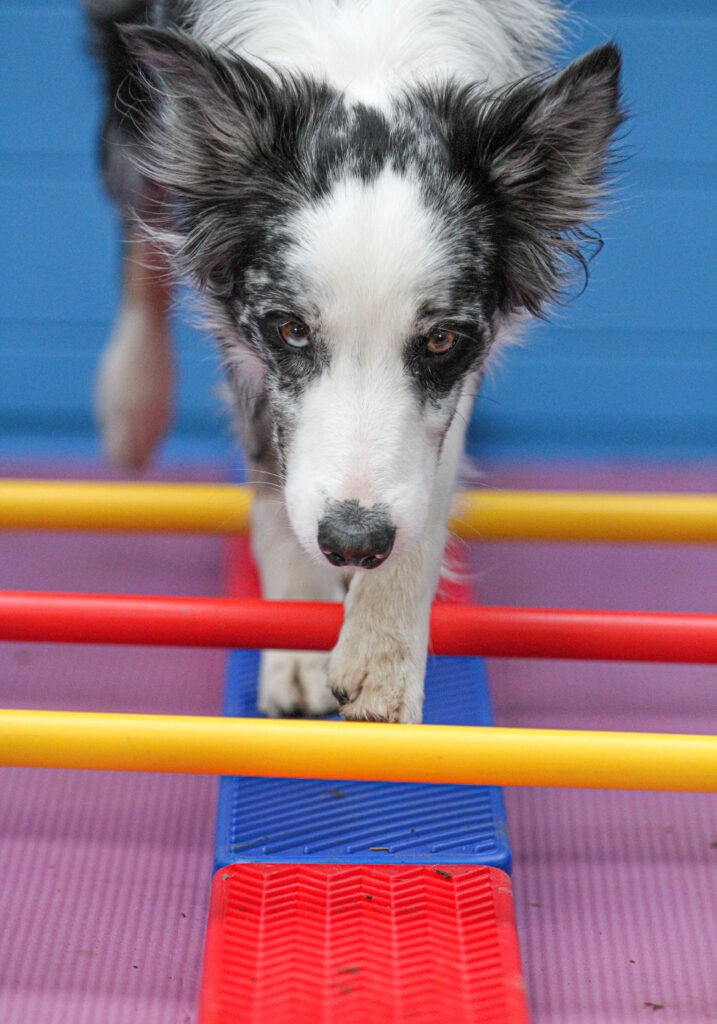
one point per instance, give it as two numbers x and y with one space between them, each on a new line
369 195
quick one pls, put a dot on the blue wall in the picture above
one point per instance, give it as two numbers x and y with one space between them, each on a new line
629 369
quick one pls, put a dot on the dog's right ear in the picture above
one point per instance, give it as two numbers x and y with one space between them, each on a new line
210 113
213 135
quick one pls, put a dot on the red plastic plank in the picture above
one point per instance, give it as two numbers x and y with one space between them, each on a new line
349 944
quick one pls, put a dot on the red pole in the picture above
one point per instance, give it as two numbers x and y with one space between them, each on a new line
455 629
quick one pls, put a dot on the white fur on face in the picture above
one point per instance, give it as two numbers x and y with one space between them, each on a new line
372 49
367 257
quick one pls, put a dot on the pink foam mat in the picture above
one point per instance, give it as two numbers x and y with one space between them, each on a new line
616 892
105 877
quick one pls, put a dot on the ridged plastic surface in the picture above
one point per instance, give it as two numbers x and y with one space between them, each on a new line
323 821
343 944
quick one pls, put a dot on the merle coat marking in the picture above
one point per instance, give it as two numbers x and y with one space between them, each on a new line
369 196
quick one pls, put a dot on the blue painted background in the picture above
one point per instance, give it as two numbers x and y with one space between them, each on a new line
629 369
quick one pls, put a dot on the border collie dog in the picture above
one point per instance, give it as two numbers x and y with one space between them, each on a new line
369 196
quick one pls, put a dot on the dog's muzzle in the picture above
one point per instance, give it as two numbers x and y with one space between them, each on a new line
352 535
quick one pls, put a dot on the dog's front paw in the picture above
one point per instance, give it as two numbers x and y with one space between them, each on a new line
293 684
383 684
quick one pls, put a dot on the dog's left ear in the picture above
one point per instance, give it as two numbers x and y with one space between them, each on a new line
542 148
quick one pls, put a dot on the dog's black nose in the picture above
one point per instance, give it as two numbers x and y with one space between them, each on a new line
352 535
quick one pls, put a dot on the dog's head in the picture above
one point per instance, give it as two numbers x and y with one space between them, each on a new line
360 264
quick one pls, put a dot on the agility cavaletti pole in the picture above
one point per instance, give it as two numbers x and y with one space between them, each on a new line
215 508
358 750
455 629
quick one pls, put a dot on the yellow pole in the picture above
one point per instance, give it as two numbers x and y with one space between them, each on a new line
586 515
478 515
357 750
139 507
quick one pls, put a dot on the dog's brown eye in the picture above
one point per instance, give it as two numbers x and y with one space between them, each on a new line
295 333
440 342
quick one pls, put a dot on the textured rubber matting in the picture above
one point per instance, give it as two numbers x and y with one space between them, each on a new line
616 893
342 944
104 894
326 821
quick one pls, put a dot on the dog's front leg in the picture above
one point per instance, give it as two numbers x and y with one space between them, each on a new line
290 682
377 668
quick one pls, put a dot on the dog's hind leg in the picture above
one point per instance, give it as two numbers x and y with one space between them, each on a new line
290 682
135 380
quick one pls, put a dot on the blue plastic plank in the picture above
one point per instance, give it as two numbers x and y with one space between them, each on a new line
324 821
